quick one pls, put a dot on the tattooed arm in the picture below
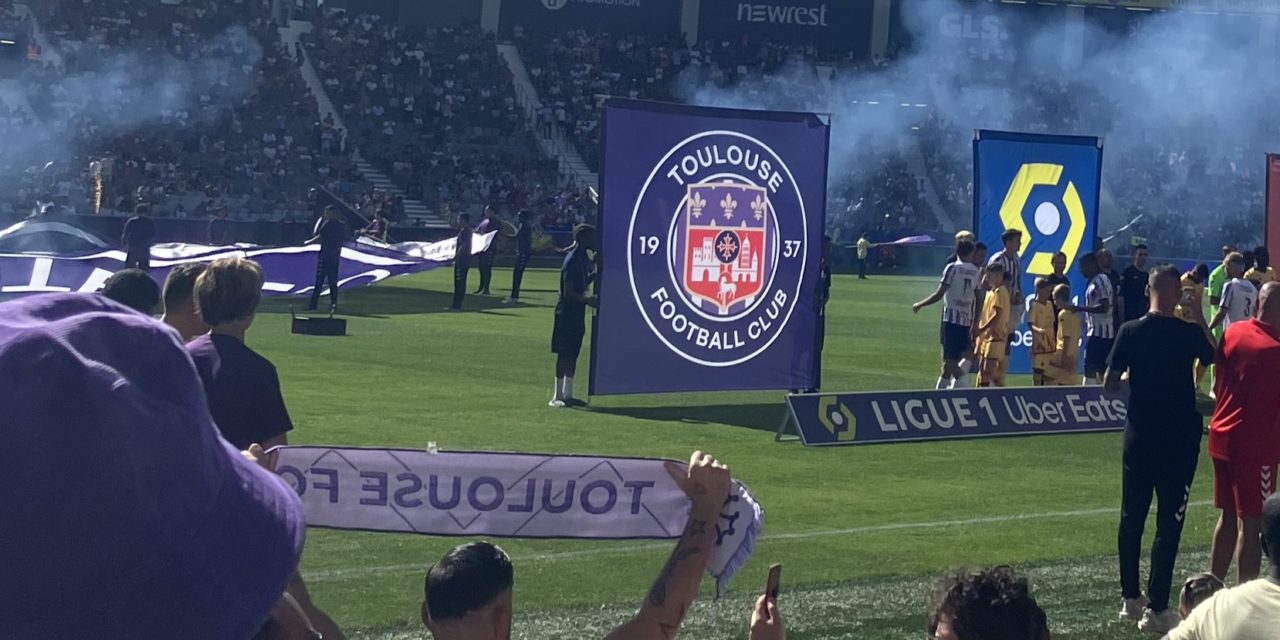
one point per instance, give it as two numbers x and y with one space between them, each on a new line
707 484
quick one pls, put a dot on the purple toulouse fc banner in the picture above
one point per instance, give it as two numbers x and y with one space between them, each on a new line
710 236
286 270
511 495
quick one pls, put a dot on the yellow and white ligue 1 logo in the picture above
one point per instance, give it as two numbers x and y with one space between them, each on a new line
1048 216
837 418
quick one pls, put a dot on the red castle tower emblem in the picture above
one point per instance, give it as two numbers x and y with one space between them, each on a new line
726 244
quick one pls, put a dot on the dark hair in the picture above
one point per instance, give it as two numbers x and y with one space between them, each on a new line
582 231
523 215
142 208
964 249
1249 260
180 286
1010 234
1199 588
1063 254
1140 247
1262 258
1271 528
467 578
990 604
133 288
1089 259
1202 271
981 246
995 268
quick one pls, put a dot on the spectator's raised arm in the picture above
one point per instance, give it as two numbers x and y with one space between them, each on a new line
707 484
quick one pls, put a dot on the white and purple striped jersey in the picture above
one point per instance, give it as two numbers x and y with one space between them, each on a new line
1013 267
961 279
1240 299
1101 325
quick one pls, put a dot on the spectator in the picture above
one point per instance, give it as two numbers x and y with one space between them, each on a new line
468 593
180 310
218 228
135 289
1250 611
990 604
331 233
1196 590
242 387
141 474
1244 439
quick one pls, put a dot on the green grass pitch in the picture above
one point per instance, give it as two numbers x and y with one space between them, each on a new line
861 530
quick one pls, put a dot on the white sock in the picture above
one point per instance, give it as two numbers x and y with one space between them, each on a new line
961 382
557 394
568 388
943 383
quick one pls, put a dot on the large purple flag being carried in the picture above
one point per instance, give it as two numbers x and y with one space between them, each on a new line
288 270
710 231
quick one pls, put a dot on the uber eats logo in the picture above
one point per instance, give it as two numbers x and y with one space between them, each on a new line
1057 205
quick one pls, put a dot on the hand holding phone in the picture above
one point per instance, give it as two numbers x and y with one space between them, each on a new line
774 583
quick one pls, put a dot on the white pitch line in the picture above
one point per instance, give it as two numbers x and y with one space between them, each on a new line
335 574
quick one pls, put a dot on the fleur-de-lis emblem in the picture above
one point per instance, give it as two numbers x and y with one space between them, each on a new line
758 206
728 204
696 204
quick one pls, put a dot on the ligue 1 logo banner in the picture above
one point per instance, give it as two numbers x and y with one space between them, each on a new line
710 228
1047 187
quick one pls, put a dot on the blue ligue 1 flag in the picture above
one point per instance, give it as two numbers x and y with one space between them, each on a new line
1047 187
711 224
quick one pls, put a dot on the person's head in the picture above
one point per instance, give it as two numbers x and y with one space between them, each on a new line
1228 249
979 254
135 289
1059 263
1196 590
1271 532
1089 265
993 276
1248 260
142 209
584 235
1164 286
1062 296
1269 303
1200 273
131 504
990 604
1261 258
1044 290
1234 264
227 294
488 211
826 246
964 250
180 302
966 235
1011 240
523 216
221 212
464 220
467 594
1140 257
331 212
865 235
1105 260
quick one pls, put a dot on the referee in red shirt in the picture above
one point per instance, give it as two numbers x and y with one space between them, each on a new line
1244 435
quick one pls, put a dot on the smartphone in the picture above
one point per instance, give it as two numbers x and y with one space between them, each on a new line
774 583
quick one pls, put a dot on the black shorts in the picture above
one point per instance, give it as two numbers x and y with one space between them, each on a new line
1096 352
567 335
956 340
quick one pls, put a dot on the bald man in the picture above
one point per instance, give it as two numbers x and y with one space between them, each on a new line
1161 442
1244 435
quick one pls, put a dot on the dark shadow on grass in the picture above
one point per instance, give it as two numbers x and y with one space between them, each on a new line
763 416
384 301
